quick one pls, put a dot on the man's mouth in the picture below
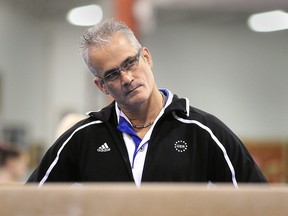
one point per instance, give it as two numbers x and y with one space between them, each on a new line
131 90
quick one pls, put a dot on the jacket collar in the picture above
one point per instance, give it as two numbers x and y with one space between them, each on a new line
178 105
105 113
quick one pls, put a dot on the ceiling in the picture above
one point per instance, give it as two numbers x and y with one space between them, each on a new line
224 5
46 9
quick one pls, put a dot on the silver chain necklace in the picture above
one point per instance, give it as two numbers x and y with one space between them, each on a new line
152 122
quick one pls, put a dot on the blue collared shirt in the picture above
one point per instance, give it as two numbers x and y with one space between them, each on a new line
137 147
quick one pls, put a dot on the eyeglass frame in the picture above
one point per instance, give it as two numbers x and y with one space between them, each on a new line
123 67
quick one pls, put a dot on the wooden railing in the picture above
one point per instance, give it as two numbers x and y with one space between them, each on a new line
152 200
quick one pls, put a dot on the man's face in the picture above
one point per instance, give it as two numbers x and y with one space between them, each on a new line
134 85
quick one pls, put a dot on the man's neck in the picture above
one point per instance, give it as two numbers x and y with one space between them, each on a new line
146 112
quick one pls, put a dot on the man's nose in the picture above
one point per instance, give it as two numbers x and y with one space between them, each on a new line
126 77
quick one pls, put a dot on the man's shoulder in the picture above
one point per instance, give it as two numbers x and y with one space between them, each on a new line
183 104
183 109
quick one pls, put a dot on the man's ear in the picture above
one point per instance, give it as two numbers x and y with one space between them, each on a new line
147 56
99 83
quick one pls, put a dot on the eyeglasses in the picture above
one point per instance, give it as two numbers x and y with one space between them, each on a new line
130 64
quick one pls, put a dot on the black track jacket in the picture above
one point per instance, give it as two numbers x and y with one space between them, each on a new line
186 145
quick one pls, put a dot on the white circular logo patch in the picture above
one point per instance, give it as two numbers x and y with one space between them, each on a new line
180 146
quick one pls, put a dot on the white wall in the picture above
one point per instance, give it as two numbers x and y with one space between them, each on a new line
21 63
65 74
223 68
226 69
42 74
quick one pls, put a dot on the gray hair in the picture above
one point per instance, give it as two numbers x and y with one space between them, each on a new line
100 34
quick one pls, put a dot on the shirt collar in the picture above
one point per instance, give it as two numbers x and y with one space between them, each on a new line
167 93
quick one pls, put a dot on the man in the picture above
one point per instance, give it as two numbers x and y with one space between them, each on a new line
13 164
146 134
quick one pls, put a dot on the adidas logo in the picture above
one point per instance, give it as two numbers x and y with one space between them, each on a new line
103 148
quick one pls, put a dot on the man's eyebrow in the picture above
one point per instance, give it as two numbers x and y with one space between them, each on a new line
110 71
116 68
